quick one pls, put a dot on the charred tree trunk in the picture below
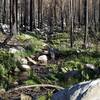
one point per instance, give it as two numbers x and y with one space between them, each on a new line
50 19
33 14
31 17
71 33
38 13
62 17
99 15
25 15
79 19
13 21
86 24
4 12
55 12
41 6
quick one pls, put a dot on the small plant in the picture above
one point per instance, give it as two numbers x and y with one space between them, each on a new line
72 65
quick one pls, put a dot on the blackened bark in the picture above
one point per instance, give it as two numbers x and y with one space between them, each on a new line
38 13
31 17
86 23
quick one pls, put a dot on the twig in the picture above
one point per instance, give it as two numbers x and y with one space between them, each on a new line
37 85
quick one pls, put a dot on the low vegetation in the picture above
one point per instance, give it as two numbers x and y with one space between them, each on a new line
68 69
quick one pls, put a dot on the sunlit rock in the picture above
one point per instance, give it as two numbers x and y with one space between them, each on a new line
13 50
90 66
26 67
24 61
43 59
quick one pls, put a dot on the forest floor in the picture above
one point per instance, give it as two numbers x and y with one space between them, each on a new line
40 71
68 67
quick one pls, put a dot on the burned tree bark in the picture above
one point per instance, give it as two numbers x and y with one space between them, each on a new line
31 17
13 21
86 23
71 33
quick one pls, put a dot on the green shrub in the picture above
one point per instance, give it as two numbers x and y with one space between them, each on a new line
7 66
7 60
30 43
72 65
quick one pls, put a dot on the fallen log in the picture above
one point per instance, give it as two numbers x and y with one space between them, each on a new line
37 85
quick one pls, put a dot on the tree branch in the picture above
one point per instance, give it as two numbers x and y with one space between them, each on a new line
37 85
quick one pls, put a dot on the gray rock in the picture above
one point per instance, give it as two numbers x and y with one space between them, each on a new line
26 67
43 59
90 66
89 90
13 50
45 52
2 93
17 69
4 28
24 61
